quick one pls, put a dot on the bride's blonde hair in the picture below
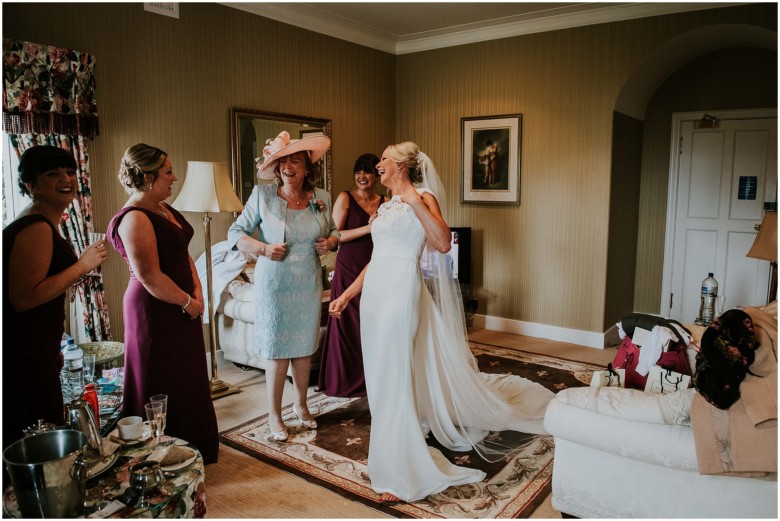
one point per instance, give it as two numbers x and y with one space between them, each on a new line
407 153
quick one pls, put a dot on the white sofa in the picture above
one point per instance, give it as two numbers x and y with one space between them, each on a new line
622 453
611 467
235 316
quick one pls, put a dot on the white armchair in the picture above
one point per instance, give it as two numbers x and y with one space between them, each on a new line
623 453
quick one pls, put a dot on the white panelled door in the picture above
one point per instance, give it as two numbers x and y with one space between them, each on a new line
723 176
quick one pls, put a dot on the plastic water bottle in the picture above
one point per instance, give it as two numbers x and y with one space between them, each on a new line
72 370
709 295
64 342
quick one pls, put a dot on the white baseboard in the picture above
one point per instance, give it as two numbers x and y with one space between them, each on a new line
559 334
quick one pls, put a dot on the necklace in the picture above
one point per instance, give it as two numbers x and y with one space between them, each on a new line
293 200
162 212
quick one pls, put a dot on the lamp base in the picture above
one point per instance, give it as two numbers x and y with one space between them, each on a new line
220 389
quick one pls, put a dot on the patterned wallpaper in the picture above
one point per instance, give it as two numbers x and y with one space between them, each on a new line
171 83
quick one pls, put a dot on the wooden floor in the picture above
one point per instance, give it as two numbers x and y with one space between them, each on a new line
240 486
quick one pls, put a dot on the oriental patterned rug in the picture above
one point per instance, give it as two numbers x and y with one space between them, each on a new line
334 456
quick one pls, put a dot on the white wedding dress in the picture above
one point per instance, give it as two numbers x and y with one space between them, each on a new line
421 377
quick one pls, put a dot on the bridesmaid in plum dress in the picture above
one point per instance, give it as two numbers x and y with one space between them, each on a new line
341 365
164 348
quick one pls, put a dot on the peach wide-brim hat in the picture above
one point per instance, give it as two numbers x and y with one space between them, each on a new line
282 146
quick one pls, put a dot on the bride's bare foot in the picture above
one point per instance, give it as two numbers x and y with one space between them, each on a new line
388 497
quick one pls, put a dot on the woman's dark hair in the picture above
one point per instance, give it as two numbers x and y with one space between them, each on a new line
139 161
366 163
40 159
313 172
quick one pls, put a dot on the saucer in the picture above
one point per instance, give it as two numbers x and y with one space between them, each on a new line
102 465
146 436
181 465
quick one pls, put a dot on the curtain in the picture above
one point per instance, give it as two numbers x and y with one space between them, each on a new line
48 99
48 90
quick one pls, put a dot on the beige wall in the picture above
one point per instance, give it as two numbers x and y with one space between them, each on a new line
739 78
545 261
171 82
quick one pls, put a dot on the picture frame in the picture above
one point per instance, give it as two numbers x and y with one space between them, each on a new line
490 159
323 161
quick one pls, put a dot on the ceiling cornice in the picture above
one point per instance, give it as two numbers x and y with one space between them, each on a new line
319 22
523 25
337 27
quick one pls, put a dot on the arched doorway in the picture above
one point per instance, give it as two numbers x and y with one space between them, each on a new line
636 244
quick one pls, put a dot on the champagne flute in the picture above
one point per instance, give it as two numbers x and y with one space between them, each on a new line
88 368
154 416
163 419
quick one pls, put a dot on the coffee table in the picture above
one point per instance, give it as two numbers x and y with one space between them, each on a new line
182 495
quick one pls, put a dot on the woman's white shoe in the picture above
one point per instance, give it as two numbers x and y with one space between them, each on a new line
279 436
309 424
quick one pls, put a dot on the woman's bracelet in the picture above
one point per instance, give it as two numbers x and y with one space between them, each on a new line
262 251
184 307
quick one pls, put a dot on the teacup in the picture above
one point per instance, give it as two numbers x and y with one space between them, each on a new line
131 428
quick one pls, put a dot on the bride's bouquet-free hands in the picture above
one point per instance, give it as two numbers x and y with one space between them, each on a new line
408 193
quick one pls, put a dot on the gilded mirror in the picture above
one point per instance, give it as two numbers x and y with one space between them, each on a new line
249 130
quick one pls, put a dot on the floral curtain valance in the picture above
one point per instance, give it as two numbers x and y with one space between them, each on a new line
48 90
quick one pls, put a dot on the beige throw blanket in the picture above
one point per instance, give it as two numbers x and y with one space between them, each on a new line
742 441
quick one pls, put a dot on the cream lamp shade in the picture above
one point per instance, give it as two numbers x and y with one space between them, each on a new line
207 188
765 245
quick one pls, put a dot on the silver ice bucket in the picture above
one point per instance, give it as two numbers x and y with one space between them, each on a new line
45 473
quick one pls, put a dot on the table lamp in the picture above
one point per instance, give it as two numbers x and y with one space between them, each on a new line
765 248
207 188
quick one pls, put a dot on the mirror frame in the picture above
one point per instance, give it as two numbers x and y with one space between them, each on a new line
236 114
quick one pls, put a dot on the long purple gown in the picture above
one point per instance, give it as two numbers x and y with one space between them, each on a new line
164 348
341 363
31 344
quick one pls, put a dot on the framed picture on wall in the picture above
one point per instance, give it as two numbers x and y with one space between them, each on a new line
323 161
490 158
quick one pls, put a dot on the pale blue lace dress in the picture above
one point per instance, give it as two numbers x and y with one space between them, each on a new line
288 292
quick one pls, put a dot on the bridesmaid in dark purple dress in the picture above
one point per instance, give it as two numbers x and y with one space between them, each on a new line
38 268
341 364
164 348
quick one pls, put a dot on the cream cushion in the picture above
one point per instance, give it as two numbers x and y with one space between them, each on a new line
632 404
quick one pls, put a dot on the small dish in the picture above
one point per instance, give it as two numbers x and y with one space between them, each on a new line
160 454
181 465
102 465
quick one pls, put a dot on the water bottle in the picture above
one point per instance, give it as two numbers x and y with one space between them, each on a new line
72 370
709 294
64 342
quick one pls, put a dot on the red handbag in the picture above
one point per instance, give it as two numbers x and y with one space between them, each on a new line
627 357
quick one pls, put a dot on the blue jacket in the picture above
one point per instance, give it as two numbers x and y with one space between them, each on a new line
265 211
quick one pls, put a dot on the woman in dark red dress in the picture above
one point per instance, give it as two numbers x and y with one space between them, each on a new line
341 365
164 348
38 268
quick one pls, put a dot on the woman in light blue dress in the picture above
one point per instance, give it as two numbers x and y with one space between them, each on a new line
294 224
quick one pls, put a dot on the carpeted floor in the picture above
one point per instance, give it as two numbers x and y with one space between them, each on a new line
335 455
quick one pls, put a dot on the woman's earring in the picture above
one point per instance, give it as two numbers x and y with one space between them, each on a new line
150 187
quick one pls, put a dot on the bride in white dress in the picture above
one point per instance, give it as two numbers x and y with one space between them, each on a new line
420 374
